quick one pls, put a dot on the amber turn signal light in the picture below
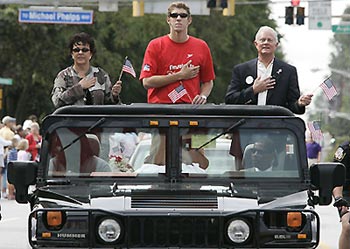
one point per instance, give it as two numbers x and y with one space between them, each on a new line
173 122
54 218
46 235
294 219
302 236
153 123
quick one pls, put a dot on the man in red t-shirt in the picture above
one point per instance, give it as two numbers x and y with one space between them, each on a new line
178 68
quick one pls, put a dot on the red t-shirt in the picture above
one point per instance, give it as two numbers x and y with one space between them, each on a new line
164 56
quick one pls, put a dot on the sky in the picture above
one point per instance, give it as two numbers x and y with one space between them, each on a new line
307 49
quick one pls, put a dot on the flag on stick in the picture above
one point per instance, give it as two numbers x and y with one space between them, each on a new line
315 130
177 93
329 88
128 68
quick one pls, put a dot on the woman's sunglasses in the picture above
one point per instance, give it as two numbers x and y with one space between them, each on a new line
77 50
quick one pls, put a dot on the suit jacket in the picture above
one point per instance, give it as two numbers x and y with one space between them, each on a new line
286 92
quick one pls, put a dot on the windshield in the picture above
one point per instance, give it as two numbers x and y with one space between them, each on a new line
137 152
243 153
107 151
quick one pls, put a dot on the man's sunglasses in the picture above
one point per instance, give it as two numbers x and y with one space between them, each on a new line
175 15
77 50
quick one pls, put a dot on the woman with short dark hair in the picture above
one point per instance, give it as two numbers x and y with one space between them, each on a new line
81 83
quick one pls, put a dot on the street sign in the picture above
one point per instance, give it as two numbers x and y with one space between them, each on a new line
55 16
341 29
5 81
320 15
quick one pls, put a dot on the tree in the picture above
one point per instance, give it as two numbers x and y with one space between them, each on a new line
29 54
340 60
33 54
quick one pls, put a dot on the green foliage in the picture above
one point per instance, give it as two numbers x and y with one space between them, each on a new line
340 60
330 155
33 54
338 127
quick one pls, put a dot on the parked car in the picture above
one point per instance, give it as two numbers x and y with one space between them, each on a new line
201 185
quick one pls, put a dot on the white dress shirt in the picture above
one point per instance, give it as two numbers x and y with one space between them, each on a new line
263 72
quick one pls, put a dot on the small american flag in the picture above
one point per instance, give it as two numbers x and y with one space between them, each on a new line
127 67
315 130
329 89
177 93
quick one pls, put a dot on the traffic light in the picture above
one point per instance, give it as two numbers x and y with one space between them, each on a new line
300 15
138 7
229 10
289 15
211 3
223 4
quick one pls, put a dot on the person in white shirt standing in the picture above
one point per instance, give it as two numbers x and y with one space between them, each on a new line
3 143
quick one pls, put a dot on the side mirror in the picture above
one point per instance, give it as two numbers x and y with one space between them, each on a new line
325 177
21 175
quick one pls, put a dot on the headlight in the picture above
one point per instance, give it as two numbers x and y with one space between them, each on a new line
238 231
109 230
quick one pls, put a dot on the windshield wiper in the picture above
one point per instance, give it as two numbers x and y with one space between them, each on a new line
98 123
230 129
56 196
58 182
239 191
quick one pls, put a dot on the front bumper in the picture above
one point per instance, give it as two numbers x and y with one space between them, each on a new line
269 229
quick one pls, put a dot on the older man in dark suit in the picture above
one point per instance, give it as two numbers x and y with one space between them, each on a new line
266 80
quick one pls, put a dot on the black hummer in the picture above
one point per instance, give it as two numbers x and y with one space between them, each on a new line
174 176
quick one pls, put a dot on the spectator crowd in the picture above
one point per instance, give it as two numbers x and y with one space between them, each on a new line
17 143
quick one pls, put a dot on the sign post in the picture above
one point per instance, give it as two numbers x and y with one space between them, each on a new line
3 81
320 15
1 97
